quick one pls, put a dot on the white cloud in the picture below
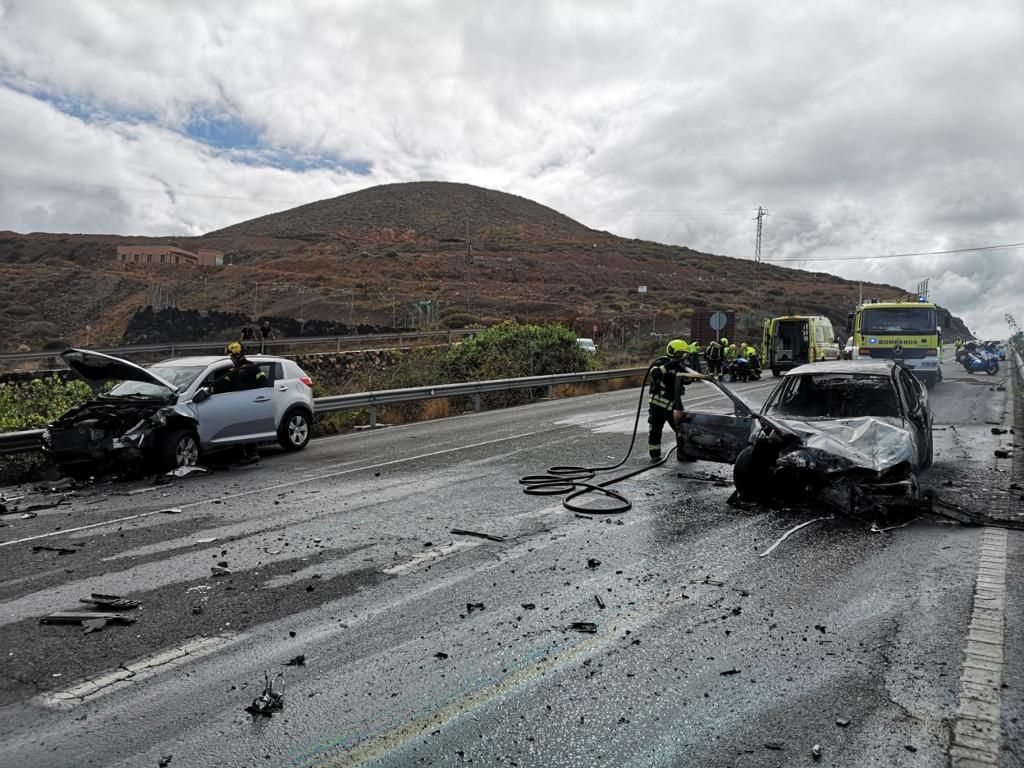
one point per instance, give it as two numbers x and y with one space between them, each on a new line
864 128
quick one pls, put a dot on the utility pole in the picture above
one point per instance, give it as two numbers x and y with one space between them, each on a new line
469 260
761 213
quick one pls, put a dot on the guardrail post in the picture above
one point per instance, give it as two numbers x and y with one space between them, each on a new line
476 402
339 345
172 349
551 391
373 416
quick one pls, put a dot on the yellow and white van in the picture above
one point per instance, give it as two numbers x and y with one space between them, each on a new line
793 340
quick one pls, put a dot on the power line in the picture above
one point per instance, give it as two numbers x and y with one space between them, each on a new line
1007 246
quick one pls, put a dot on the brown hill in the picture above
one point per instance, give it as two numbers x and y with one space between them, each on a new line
396 256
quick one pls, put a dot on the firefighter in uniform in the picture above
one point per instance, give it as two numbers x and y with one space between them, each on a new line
244 374
694 350
666 399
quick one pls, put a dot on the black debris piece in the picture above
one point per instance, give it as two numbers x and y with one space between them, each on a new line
170 511
599 601
58 550
728 672
470 607
528 606
998 431
1001 453
910 748
816 752
584 626
773 745
111 602
77 617
585 517
94 625
298 661
42 505
441 655
165 761
820 628
488 536
219 570
593 562
842 722
713 582
270 701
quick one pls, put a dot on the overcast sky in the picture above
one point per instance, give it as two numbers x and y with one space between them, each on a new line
865 129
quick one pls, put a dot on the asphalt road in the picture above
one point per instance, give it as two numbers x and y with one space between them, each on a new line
699 647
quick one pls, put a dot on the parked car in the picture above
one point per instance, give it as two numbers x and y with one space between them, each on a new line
587 344
850 434
848 349
167 415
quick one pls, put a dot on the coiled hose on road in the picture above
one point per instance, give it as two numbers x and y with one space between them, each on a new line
575 481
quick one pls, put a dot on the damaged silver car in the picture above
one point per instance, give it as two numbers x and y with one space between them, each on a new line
851 434
166 415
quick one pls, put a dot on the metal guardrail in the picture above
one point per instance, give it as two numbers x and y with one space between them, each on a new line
28 440
174 348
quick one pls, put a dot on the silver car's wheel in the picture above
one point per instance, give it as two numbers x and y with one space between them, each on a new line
294 432
186 452
180 448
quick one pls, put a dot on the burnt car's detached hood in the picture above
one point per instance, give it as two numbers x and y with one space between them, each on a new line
865 442
96 368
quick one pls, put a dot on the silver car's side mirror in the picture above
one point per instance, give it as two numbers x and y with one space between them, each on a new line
200 395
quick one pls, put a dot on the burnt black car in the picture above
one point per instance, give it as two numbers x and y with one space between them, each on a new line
851 434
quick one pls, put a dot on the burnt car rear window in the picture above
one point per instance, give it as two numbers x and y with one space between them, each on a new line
836 396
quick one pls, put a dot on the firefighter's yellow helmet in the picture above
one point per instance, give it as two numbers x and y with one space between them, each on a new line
234 348
724 342
676 347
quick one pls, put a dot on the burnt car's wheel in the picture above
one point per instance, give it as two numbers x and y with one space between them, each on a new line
751 473
294 432
179 448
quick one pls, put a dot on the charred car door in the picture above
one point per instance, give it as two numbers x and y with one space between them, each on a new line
716 436
236 417
914 398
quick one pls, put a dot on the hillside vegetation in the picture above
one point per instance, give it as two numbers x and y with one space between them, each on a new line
396 256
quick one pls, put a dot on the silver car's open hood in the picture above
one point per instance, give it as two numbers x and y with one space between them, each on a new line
96 367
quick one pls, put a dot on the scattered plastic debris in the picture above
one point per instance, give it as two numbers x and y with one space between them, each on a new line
470 607
165 761
999 431
599 601
187 471
1002 453
298 661
441 655
219 570
816 752
80 617
170 511
490 537
713 582
593 562
728 672
773 745
528 606
842 722
270 701
584 626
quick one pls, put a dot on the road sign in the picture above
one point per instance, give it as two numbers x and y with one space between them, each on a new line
641 289
718 320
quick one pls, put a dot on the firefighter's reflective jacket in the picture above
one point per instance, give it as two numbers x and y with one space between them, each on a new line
667 384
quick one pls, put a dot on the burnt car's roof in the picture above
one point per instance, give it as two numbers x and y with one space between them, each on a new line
97 367
877 367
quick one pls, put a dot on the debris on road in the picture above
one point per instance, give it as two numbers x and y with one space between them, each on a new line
713 582
728 672
470 607
528 606
488 536
219 570
187 471
58 550
165 761
790 532
999 431
776 745
842 722
441 655
81 617
599 601
1002 453
816 752
170 511
588 627
270 701
593 562
110 602
298 661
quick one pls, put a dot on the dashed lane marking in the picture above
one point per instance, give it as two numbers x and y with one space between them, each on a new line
977 735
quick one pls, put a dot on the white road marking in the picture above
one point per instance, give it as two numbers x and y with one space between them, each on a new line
430 557
977 734
134 672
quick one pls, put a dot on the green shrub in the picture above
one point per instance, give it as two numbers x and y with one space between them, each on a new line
36 403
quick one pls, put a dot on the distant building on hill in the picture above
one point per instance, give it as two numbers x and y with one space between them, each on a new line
168 254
